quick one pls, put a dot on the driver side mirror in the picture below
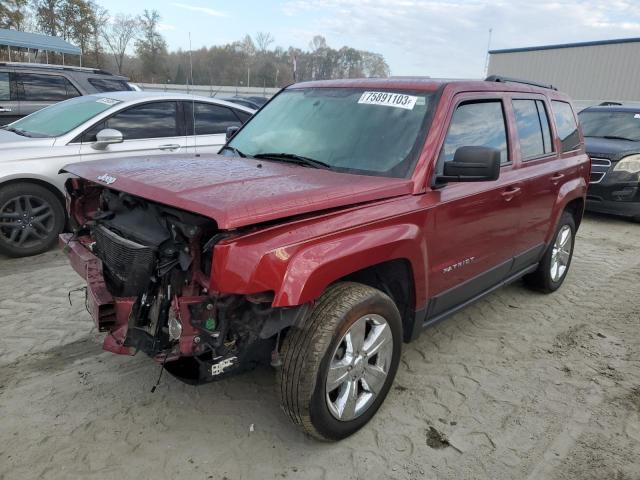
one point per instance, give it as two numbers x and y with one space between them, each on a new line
231 131
472 164
106 137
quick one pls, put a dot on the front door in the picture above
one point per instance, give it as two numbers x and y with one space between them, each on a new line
474 224
9 103
148 129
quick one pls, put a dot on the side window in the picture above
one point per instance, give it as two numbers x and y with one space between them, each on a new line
109 85
243 116
5 86
533 128
566 125
476 124
52 88
151 120
213 119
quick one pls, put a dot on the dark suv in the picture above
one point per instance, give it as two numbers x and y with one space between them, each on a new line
27 87
343 218
612 139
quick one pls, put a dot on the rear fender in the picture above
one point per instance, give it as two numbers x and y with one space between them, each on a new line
569 191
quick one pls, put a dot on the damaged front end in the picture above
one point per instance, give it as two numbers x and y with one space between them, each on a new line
147 268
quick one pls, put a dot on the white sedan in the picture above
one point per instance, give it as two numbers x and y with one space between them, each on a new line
126 124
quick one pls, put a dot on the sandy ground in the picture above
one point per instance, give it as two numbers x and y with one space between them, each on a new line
519 386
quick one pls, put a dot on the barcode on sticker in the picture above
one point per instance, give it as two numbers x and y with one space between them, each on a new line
388 99
107 101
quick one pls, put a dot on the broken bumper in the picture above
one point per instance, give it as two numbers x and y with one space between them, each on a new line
111 314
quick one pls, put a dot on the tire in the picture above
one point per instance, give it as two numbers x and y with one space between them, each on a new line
31 218
544 279
323 342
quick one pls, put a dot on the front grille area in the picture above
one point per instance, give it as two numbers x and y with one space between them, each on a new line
128 265
599 168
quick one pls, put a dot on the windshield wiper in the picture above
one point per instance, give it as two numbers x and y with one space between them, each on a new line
293 158
614 137
234 150
18 131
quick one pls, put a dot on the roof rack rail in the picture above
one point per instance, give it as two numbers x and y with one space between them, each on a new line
500 78
610 104
55 67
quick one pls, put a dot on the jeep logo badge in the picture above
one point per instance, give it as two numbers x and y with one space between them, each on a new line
108 179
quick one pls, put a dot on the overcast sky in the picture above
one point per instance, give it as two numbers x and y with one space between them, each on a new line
439 38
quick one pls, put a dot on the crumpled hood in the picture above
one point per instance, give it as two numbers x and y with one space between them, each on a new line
235 191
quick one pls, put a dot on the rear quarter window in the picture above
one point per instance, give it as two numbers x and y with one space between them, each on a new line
566 125
109 85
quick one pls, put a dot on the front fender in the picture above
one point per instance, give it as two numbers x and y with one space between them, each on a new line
299 273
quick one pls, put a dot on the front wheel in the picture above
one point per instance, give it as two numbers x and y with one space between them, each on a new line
31 218
339 367
555 263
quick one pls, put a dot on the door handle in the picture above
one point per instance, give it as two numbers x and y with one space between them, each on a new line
557 177
2 109
511 192
170 147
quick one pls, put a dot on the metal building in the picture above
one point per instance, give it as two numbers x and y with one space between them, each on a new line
590 72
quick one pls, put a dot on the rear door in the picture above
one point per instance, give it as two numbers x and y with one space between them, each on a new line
210 122
39 90
148 129
472 242
9 103
546 163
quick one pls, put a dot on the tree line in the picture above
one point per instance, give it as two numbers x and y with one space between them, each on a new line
134 46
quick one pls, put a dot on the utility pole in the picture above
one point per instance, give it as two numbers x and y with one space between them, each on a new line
486 61
248 76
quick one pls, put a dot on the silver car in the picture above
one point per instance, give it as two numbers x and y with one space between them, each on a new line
94 127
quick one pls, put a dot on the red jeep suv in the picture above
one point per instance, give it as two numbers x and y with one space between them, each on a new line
342 219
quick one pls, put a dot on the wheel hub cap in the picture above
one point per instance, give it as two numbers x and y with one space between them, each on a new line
358 368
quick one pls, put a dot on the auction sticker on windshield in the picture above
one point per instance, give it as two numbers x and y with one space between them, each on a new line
108 101
398 100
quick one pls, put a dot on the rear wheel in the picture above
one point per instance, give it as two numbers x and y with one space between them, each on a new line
555 263
339 366
31 218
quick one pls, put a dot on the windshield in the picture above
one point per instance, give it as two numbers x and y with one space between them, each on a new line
62 117
347 129
611 124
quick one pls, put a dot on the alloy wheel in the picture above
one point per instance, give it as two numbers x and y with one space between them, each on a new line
561 253
359 367
26 221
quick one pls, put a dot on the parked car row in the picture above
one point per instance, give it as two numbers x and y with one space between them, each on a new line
94 127
318 234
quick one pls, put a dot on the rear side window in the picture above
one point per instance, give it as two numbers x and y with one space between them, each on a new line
109 85
46 88
476 124
5 86
533 128
566 125
151 120
213 119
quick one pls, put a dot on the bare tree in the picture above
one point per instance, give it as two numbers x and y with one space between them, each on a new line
263 41
119 35
12 13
